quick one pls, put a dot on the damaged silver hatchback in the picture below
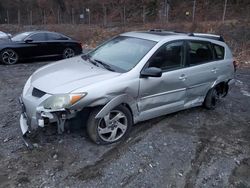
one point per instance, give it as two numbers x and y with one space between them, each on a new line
133 77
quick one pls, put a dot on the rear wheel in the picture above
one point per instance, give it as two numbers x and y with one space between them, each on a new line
112 127
68 53
9 57
212 98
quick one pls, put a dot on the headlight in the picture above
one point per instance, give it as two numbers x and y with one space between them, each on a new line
56 102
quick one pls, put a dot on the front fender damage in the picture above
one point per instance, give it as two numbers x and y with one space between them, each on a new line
121 99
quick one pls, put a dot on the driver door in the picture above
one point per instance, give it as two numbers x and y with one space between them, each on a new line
36 47
165 94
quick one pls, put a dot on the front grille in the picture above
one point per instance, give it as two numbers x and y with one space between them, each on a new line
37 93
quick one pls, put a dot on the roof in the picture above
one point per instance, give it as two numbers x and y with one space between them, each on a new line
158 35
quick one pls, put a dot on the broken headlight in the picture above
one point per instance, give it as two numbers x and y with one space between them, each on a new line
61 101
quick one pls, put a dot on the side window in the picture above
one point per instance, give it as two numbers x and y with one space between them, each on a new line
199 52
38 37
55 36
169 56
219 52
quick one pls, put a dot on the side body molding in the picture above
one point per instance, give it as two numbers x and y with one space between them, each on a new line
117 101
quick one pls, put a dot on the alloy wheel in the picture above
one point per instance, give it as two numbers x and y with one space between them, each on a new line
68 53
9 57
113 126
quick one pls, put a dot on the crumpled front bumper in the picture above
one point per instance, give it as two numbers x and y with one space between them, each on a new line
43 117
23 124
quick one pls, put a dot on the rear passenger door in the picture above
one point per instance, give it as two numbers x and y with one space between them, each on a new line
201 70
56 43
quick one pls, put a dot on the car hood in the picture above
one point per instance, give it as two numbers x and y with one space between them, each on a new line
5 41
68 75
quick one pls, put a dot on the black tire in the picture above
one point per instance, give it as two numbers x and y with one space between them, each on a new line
9 57
68 53
94 126
211 99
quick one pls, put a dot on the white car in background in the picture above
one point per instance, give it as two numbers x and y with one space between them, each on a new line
4 35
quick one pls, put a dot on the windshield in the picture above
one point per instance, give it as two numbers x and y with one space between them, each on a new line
2 34
122 53
20 36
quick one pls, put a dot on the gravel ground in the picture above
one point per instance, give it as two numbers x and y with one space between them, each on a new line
191 148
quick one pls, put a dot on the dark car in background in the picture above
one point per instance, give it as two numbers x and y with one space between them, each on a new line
37 44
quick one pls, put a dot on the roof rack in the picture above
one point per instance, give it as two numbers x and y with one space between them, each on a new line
202 35
208 36
155 30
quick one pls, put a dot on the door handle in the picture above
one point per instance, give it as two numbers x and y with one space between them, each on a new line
183 77
214 70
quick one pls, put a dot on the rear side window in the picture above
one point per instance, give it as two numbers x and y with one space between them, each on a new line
199 52
219 52
56 36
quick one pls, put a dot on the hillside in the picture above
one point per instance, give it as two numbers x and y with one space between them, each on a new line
93 21
110 12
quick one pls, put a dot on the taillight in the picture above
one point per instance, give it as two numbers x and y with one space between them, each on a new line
81 44
235 65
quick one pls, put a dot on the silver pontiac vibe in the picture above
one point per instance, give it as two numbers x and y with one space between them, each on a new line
133 77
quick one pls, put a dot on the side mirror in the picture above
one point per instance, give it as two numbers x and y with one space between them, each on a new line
28 40
151 72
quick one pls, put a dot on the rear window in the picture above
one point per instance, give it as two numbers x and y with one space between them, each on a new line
219 52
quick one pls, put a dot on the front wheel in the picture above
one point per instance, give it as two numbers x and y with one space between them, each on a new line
9 57
68 53
112 127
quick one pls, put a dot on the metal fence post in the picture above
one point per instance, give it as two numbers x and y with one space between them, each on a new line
18 17
193 15
166 10
88 11
8 19
224 11
143 14
124 15
58 16
44 17
31 17
89 17
72 16
105 15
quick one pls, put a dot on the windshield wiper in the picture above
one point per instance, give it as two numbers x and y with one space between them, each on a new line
95 62
105 65
87 57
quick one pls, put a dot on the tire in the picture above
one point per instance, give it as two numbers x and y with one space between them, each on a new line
211 99
119 122
68 53
9 57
